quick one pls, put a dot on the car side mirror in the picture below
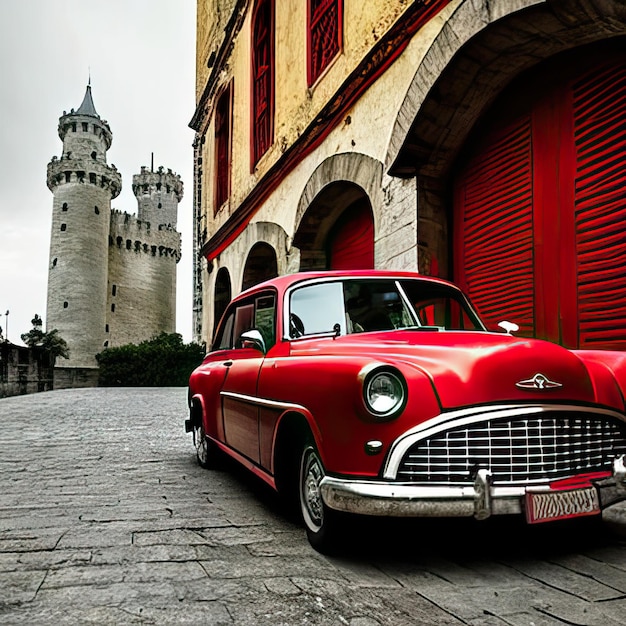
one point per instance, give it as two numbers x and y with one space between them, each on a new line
252 339
508 327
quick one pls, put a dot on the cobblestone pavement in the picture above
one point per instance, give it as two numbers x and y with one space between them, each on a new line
105 518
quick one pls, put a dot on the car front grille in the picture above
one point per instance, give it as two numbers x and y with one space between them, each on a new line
517 450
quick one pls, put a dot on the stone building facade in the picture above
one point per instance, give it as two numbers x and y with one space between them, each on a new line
478 140
24 369
112 275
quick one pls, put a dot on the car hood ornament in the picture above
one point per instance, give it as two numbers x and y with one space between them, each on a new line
538 381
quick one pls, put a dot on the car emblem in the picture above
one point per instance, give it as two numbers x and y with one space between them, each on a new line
538 381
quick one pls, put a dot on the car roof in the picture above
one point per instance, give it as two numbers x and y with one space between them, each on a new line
282 283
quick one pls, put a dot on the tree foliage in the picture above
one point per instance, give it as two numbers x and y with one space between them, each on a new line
164 361
51 341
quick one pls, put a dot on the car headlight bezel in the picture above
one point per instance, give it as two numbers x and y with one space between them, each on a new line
384 392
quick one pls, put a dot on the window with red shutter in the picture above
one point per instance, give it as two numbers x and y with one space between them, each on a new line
325 35
262 79
222 147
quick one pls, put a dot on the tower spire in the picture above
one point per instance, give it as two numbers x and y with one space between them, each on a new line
87 107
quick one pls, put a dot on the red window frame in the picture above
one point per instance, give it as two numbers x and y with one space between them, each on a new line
262 131
223 143
324 35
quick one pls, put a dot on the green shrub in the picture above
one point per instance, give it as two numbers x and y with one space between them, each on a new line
164 361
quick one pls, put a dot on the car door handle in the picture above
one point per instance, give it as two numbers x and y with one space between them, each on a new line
227 363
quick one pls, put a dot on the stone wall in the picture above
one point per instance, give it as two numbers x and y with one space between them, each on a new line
141 291
23 370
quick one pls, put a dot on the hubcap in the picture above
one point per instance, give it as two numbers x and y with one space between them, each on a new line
200 442
313 507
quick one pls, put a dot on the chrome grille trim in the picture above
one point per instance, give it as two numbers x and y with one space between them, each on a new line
513 441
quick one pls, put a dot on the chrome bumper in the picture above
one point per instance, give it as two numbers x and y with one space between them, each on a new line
480 499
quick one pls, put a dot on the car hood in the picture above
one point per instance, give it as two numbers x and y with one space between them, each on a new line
469 368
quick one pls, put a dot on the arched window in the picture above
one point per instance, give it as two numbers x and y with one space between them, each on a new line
262 79
325 35
222 147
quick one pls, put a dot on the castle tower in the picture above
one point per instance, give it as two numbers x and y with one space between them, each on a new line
143 253
158 194
83 185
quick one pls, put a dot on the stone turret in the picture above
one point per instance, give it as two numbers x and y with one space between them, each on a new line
83 185
158 194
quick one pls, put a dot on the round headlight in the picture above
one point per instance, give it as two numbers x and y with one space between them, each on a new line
384 393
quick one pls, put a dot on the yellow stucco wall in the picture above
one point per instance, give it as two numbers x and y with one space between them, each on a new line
296 105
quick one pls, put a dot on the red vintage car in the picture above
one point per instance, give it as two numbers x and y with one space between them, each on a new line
382 393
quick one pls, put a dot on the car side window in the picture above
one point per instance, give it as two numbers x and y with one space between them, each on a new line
265 319
224 336
257 312
316 309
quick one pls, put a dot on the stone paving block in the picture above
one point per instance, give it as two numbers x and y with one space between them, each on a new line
43 559
281 586
19 587
603 573
577 585
363 574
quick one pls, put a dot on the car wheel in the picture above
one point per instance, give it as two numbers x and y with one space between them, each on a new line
323 525
206 451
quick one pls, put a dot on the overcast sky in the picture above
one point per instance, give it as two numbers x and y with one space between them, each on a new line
141 57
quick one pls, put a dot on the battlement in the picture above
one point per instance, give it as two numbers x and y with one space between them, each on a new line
67 170
159 181
127 232
85 124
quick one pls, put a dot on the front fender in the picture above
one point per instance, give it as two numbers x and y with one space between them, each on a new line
607 369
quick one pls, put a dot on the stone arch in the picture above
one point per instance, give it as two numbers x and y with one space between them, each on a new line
341 183
222 295
236 255
261 264
479 50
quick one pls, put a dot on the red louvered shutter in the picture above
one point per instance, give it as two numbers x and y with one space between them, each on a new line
600 206
494 229
352 240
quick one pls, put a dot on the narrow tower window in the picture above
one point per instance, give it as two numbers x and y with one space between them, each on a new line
65 304
113 308
92 178
106 328
94 155
63 227
113 290
64 207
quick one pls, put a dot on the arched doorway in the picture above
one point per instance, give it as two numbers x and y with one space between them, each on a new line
260 265
540 207
223 295
337 230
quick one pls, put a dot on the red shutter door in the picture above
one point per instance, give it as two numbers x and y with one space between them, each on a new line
351 242
600 206
551 186
494 228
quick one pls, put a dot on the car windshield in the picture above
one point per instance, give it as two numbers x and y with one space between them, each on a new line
364 305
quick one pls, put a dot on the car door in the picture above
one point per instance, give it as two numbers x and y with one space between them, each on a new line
240 407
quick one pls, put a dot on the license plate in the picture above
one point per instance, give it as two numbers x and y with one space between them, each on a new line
548 506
